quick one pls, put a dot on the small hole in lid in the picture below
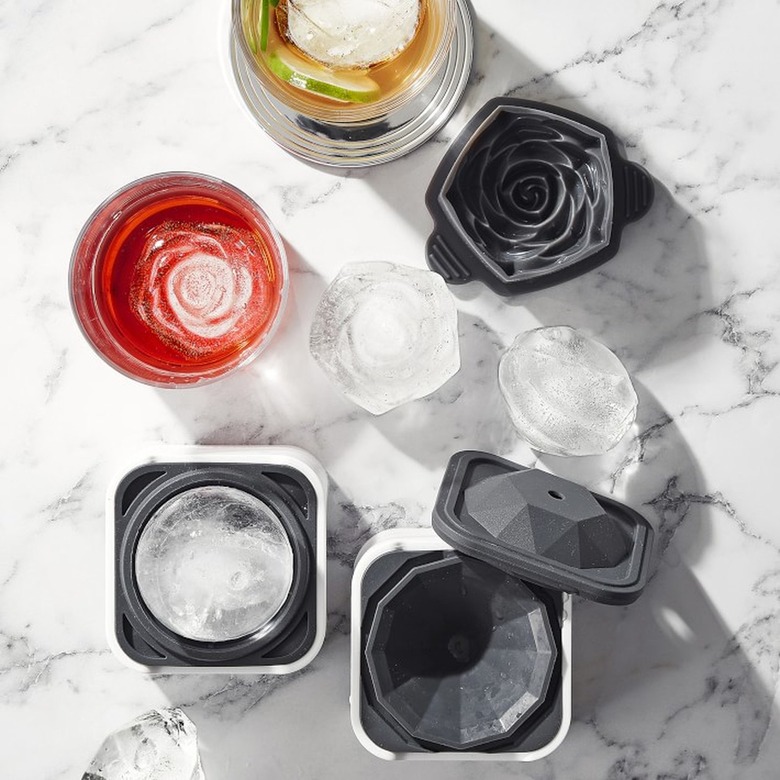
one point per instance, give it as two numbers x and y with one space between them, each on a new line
555 494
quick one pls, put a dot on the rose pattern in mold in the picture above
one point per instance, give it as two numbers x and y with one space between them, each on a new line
201 288
534 190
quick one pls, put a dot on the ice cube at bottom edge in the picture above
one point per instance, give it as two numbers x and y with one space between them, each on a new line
159 745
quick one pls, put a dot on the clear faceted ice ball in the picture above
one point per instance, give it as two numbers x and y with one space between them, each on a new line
158 745
386 334
214 563
567 394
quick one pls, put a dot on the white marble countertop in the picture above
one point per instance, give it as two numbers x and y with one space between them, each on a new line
682 684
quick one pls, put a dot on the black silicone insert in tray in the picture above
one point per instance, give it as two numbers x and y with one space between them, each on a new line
293 630
379 718
543 528
529 195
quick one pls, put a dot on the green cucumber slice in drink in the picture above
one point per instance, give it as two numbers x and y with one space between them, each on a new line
265 12
346 87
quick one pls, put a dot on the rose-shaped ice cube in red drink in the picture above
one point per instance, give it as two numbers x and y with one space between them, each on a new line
178 279
197 286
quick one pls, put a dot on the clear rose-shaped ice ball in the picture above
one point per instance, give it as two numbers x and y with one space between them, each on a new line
386 334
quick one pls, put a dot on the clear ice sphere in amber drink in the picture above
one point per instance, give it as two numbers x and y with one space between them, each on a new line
352 33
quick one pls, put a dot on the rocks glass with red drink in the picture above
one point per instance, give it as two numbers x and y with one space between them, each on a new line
178 279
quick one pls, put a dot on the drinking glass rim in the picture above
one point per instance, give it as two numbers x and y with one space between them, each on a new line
175 379
347 114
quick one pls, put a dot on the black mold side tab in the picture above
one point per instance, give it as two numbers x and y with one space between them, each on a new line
639 192
445 262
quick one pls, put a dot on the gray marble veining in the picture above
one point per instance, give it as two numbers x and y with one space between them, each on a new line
681 685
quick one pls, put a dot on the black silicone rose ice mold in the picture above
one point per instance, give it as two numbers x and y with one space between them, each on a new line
529 195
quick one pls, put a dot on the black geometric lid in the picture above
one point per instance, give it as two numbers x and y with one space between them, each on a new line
543 528
529 195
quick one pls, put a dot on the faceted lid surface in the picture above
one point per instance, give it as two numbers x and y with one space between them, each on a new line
543 528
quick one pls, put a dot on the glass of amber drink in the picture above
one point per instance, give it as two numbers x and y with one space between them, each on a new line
351 82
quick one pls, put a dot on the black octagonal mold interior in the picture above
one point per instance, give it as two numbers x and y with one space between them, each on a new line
457 656
529 195
460 654
283 498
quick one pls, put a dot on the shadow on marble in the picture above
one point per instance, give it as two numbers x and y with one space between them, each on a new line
669 655
348 527
652 469
655 286
670 662
645 302
467 412
265 402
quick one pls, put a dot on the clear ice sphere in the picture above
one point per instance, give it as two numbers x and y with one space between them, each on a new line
352 33
214 563
159 745
567 394
386 334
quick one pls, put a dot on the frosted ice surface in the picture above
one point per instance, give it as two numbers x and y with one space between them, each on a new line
194 285
159 745
214 563
386 334
567 394
352 33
